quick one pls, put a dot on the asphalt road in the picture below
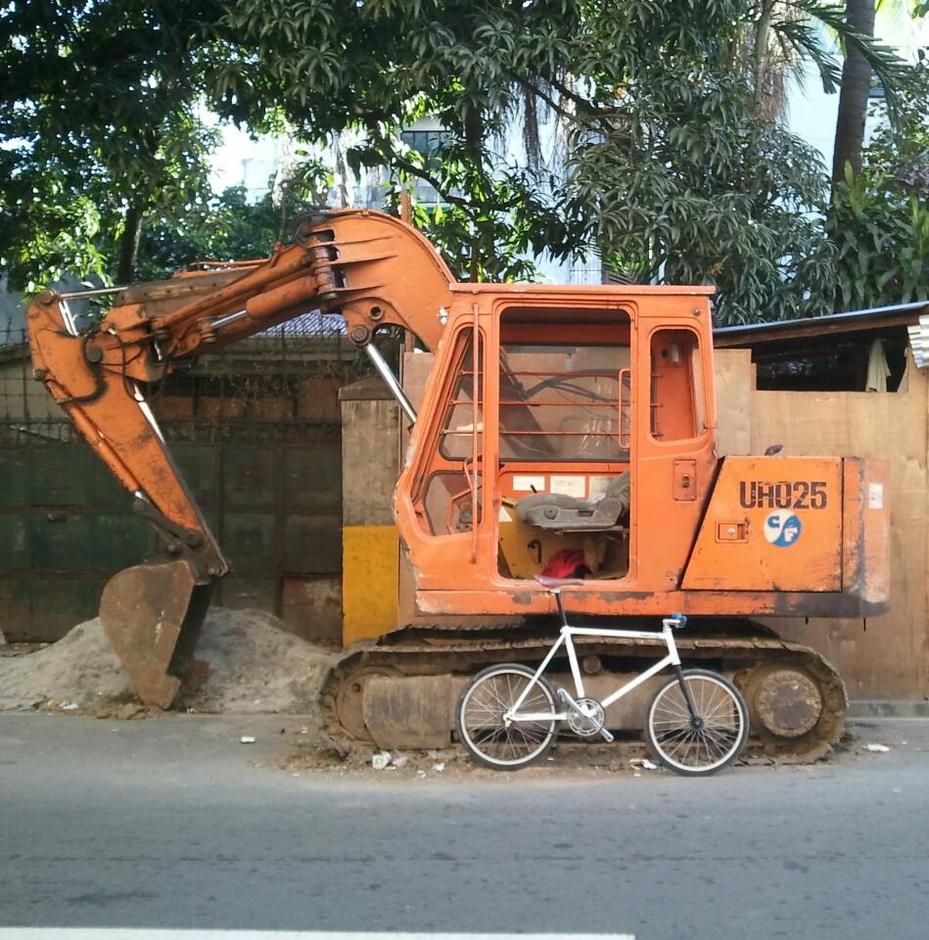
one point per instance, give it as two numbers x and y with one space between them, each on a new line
174 823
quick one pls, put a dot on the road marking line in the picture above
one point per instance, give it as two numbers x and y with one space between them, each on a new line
142 933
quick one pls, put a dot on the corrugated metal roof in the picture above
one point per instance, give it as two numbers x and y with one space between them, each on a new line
752 334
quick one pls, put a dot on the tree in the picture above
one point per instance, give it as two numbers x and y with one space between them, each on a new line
227 226
330 67
673 168
100 109
779 36
668 164
854 94
690 183
879 219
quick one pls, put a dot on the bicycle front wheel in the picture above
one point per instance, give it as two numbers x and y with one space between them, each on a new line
701 744
482 729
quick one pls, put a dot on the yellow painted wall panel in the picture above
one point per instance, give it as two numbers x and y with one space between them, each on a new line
370 556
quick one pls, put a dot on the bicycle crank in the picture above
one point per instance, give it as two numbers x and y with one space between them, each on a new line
586 717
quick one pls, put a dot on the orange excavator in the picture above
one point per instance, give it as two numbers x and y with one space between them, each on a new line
563 431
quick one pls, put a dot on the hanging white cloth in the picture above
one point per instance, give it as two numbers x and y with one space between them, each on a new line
878 370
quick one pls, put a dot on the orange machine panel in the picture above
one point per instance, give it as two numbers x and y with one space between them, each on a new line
772 524
866 548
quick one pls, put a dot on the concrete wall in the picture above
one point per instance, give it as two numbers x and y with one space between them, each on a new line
370 547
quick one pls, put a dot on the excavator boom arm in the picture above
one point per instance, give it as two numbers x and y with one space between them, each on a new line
372 268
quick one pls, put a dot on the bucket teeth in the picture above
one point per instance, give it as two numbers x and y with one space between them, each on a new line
151 615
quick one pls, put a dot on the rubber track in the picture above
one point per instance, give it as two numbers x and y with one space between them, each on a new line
740 657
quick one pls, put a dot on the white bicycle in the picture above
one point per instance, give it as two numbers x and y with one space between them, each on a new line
509 715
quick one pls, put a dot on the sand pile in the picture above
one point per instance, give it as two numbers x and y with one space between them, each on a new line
255 667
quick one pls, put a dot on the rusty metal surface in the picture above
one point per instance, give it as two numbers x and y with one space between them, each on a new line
747 661
788 702
151 615
408 711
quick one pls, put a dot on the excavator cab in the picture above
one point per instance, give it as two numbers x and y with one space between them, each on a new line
582 441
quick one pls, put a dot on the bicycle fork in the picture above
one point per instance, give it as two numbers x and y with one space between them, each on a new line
668 625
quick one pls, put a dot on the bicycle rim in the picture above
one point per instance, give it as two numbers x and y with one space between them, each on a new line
481 723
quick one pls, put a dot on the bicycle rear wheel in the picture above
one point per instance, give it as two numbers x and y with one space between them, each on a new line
707 744
479 717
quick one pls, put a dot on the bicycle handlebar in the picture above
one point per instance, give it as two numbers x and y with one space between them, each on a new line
676 621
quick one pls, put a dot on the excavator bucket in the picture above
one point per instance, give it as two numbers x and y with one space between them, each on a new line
151 615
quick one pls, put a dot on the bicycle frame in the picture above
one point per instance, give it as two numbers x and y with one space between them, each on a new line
565 638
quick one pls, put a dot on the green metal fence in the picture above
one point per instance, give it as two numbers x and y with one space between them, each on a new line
254 430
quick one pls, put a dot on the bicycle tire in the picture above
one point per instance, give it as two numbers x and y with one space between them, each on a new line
681 746
479 718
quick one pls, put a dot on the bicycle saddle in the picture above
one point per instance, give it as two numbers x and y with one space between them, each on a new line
551 583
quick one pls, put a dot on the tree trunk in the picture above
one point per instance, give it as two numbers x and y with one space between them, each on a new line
474 139
129 245
853 96
760 56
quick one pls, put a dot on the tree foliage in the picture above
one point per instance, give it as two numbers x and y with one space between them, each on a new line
226 227
380 65
664 158
685 183
100 109
671 168
880 217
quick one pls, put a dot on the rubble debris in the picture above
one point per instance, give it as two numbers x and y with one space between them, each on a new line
54 705
877 748
643 762
380 760
247 739
339 749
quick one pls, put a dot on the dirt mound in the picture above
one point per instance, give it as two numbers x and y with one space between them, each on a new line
255 667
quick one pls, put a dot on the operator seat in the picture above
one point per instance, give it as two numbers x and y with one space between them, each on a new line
553 511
